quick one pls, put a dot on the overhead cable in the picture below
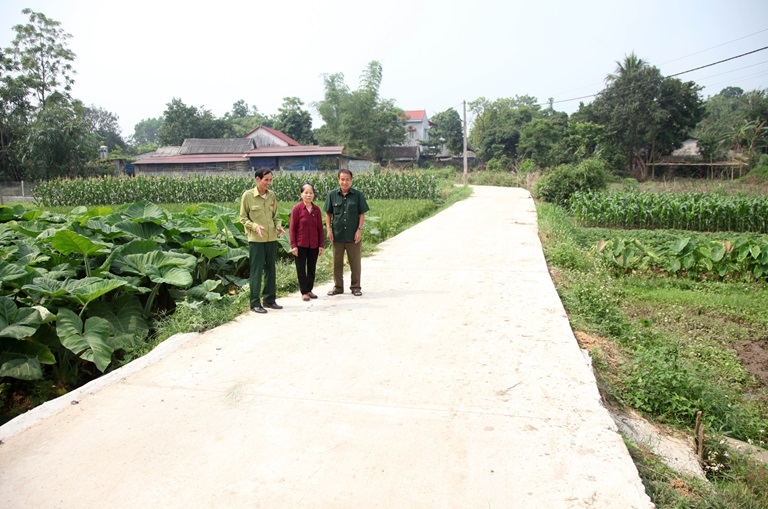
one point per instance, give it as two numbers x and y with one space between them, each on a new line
719 62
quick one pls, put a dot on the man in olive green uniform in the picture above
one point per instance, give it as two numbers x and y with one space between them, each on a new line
345 210
258 213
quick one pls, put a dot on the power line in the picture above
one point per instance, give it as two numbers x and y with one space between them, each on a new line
718 62
734 70
670 76
713 47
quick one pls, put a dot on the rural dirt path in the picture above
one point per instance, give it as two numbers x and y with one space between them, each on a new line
454 381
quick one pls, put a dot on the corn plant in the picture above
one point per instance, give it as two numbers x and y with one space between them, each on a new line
224 188
689 211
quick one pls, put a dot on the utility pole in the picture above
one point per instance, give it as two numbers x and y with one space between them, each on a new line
465 142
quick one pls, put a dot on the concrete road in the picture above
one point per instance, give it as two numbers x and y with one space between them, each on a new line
453 382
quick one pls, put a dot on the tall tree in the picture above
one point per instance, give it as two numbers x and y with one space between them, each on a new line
244 119
539 141
59 140
294 121
359 120
145 132
15 111
104 125
629 66
240 109
449 127
181 121
646 114
44 59
497 126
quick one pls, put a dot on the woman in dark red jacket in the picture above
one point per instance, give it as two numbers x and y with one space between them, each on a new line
307 239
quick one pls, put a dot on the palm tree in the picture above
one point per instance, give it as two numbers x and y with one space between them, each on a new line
631 64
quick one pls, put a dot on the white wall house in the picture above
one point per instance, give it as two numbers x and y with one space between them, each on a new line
417 126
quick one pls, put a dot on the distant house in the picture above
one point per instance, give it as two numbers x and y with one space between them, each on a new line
198 156
689 161
262 147
267 137
417 127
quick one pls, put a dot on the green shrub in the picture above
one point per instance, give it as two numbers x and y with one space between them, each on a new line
558 185
499 164
526 166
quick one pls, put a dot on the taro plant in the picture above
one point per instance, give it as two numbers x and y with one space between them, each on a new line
743 258
20 357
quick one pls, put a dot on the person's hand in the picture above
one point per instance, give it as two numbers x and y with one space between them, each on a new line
330 237
258 230
321 251
358 236
295 251
280 231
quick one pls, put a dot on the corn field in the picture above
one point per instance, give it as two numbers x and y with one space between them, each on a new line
224 189
688 211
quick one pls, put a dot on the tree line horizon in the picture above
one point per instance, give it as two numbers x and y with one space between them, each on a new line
638 117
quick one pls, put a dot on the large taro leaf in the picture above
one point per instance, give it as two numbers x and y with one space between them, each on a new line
7 235
47 287
8 213
114 261
68 242
11 271
82 215
60 271
22 359
17 322
181 223
202 293
132 284
126 317
232 258
139 246
210 210
209 248
99 224
142 230
144 211
90 342
28 253
234 232
27 228
81 291
89 289
175 276
162 267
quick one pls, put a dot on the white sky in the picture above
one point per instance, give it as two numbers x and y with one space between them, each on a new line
135 57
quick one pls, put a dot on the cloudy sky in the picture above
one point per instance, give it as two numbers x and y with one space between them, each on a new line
135 57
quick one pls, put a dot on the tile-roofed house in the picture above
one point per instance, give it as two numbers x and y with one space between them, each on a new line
267 137
417 126
216 146
241 155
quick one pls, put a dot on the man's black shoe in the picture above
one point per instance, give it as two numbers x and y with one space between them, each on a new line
258 309
273 305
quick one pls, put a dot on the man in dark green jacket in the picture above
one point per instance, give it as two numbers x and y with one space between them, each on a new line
258 213
345 210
